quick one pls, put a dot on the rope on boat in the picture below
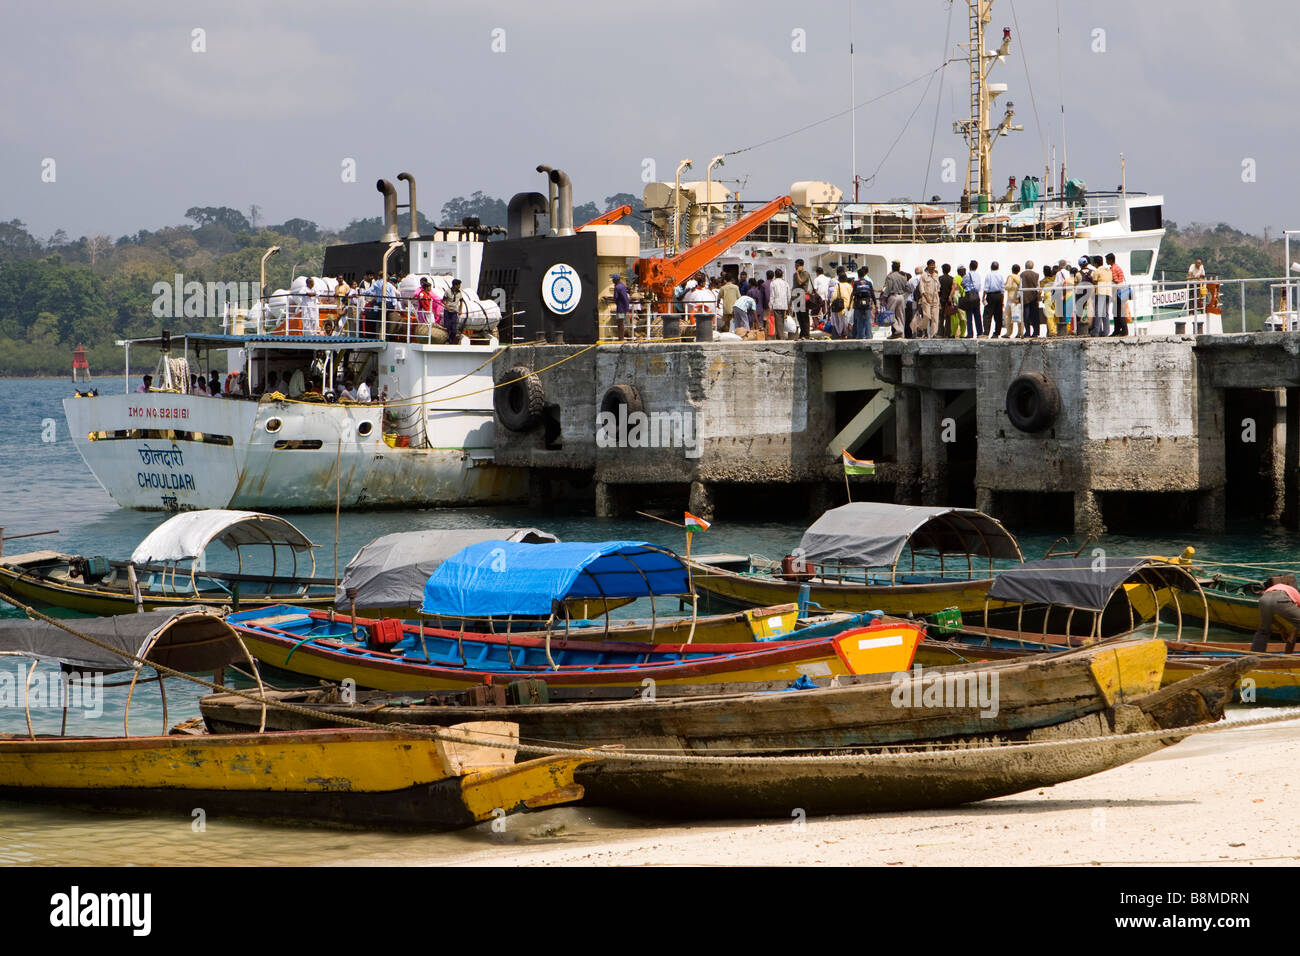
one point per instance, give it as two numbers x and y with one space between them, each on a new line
481 738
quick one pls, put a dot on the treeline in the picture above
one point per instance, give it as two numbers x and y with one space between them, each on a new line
59 292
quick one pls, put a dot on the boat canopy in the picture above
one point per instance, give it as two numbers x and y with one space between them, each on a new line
1086 584
500 578
873 534
390 572
187 535
191 639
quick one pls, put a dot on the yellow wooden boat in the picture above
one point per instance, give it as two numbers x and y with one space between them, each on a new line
371 778
852 559
384 777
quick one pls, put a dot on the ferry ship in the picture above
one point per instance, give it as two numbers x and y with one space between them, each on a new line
1016 226
427 442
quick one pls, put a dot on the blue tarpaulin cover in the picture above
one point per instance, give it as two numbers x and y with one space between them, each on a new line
497 578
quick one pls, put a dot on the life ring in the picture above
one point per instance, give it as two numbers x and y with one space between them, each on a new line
619 395
1032 402
519 402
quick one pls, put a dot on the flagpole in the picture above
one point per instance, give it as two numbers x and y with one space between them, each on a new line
675 524
846 486
688 544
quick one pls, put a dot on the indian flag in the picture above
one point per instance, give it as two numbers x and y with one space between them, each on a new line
856 466
693 523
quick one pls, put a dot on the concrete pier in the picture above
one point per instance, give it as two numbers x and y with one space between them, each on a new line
1182 431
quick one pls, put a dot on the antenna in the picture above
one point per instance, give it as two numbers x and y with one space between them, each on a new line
853 112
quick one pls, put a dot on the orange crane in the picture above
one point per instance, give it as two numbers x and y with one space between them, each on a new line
605 218
661 276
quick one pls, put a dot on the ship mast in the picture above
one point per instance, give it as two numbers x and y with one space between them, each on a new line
979 137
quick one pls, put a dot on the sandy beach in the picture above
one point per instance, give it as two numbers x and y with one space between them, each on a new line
1223 798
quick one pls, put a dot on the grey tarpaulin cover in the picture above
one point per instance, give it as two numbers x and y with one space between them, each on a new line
1083 583
192 639
872 534
391 571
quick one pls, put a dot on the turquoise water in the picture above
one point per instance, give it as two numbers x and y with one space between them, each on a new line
46 486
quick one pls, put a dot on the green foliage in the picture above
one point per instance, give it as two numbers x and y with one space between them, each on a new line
489 210
1227 253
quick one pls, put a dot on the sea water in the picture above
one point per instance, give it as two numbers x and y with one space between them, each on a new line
44 485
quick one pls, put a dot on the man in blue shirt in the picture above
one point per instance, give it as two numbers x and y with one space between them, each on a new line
864 300
993 295
622 304
742 313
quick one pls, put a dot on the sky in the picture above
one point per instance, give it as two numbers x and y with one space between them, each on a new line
119 117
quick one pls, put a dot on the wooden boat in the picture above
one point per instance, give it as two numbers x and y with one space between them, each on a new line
849 560
1273 681
388 576
392 655
398 656
364 778
165 570
380 777
1222 599
862 711
924 776
1065 603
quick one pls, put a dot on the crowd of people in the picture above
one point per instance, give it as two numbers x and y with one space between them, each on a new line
336 308
1090 297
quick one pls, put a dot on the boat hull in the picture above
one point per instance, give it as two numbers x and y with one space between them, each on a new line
928 777
726 589
166 451
865 711
296 650
1273 680
349 777
28 581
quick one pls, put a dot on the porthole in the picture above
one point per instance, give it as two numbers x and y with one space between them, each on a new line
365 428
273 425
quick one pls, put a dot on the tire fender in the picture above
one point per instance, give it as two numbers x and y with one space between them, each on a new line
520 399
1033 402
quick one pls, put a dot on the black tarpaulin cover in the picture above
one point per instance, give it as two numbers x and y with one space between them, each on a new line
872 534
189 639
1082 583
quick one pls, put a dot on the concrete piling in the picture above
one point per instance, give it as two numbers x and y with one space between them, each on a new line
1106 424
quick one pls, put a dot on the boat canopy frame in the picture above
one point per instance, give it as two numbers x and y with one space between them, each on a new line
1088 585
190 639
186 537
871 534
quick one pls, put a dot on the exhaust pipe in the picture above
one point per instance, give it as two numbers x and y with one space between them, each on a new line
390 211
550 188
565 202
415 219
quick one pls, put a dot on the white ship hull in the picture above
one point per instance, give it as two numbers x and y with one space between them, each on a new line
164 451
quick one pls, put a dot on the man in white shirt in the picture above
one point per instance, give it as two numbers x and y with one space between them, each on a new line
994 286
1196 278
309 303
363 392
822 286
700 302
779 301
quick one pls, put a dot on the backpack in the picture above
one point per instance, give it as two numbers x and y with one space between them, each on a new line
863 294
